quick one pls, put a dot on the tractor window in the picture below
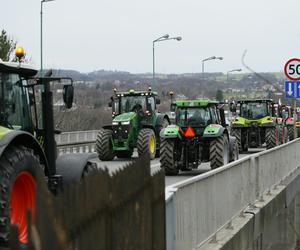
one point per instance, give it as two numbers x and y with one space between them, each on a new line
192 116
254 110
151 103
14 103
214 115
133 104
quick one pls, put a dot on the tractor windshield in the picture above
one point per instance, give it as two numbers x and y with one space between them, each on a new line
193 117
254 110
14 110
133 104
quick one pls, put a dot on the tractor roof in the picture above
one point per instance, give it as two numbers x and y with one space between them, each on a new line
22 69
196 103
133 92
254 100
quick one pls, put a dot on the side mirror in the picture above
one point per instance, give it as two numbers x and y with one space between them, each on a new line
157 100
68 95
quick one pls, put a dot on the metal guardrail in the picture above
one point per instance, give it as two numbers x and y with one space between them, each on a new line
76 142
200 206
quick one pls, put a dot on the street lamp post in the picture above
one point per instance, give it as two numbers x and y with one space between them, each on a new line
208 59
160 39
234 70
43 1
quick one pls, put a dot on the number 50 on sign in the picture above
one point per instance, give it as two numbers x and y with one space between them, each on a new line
292 69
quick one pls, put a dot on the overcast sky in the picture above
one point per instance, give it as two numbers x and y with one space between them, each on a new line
88 35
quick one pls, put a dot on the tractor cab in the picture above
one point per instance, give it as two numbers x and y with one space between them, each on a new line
14 109
196 115
255 109
141 102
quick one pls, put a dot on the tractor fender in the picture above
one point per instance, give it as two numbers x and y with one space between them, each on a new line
213 132
17 138
71 166
148 126
170 132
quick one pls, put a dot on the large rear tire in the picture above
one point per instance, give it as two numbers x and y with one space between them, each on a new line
165 123
237 133
235 152
104 145
18 170
167 157
146 142
291 134
219 152
272 137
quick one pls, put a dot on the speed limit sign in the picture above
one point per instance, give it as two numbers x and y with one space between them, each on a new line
292 69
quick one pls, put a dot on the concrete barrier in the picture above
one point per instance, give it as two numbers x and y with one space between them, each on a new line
76 142
202 206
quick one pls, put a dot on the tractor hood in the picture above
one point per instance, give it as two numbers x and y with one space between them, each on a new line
125 117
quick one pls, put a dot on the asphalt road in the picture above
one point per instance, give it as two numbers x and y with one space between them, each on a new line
155 165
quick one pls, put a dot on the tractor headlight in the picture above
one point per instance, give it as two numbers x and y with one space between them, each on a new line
114 123
125 123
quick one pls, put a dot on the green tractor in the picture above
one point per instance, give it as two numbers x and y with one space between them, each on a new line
255 124
135 124
199 135
28 146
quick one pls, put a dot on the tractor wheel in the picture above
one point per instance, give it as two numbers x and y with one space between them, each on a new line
19 167
167 160
291 130
272 137
237 133
146 142
282 135
158 143
104 145
219 152
235 152
124 154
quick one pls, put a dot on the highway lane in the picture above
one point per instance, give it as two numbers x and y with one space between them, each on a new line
155 165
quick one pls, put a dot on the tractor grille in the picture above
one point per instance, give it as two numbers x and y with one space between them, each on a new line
120 132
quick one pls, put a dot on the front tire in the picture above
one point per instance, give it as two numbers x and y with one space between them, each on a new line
104 145
146 142
19 167
167 158
219 152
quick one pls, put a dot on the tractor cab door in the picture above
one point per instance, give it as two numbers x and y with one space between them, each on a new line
14 103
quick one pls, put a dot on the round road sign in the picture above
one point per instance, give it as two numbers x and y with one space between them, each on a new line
292 69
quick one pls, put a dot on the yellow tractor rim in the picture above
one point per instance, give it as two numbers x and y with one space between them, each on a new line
152 144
